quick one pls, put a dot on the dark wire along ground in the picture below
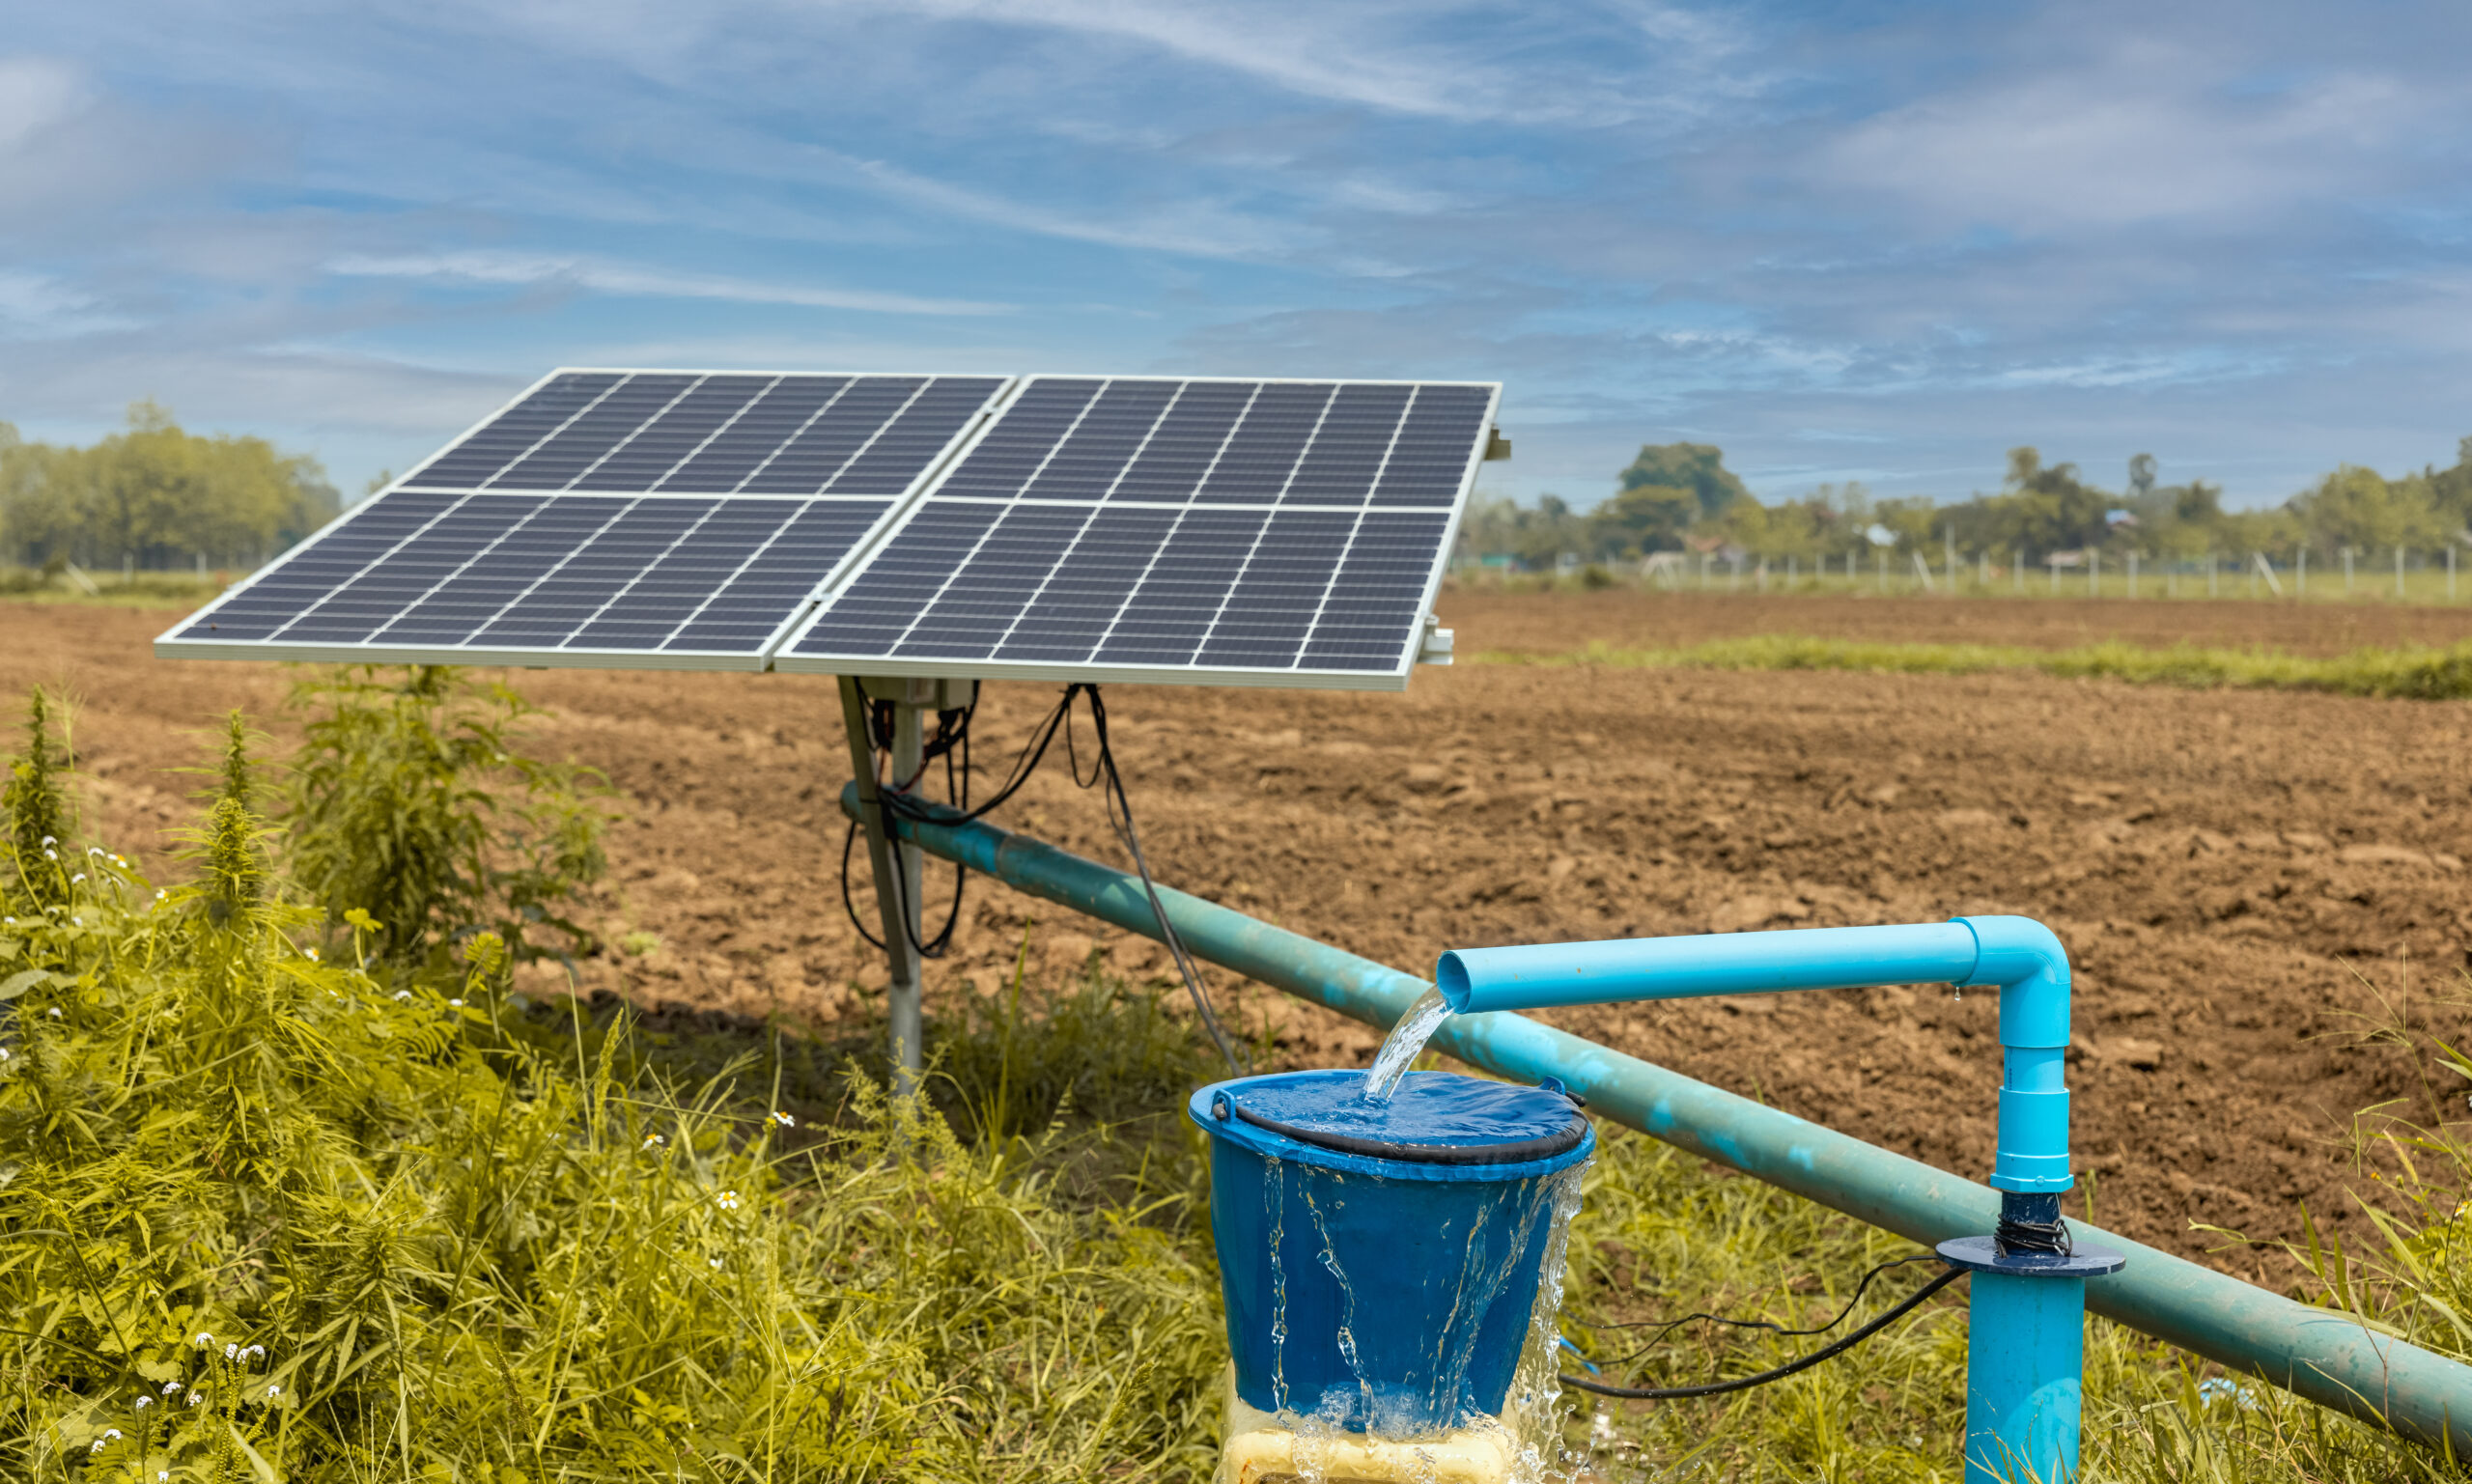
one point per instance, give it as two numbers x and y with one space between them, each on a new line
952 734
1896 1312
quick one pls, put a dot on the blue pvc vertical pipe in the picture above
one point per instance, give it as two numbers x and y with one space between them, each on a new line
2025 1363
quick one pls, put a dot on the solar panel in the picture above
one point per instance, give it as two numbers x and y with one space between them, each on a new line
1232 532
644 518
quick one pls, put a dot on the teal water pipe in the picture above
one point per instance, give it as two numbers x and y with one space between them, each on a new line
2026 1352
2317 1353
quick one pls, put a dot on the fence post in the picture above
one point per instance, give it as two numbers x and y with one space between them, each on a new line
2132 572
2214 570
2450 571
2093 571
2347 572
2399 575
2300 573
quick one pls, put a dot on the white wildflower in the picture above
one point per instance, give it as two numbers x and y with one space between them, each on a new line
274 1392
4 1053
171 1389
49 840
231 1352
401 995
51 855
455 1004
111 1435
653 1141
74 879
196 1398
160 894
98 1447
76 922
729 1200
313 954
260 1351
144 1402
717 1264
784 1120
203 1340
55 1012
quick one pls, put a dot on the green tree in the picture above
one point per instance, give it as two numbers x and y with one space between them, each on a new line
2360 509
1699 468
1643 518
156 496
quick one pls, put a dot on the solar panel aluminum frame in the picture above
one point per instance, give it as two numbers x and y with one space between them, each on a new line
170 646
1285 677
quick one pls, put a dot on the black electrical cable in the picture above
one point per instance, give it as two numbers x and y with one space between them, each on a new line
1120 807
898 799
1902 1308
2032 1223
952 734
1665 1327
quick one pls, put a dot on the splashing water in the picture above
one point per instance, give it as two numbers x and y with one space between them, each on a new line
1537 1390
1400 1048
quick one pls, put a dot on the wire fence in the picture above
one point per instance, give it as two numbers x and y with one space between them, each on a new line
2399 575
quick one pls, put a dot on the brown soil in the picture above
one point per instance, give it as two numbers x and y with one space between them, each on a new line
2237 875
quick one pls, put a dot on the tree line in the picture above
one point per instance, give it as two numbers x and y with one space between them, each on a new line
153 498
1680 496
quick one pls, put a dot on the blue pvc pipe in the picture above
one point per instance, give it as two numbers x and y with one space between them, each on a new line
2017 956
2322 1354
2025 1378
2025 1353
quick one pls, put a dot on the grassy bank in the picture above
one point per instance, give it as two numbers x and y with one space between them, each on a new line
2417 673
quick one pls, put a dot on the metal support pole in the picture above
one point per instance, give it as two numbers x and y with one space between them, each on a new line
886 855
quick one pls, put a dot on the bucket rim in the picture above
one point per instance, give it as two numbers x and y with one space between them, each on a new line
1270 1140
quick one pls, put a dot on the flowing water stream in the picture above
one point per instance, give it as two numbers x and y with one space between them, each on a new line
1400 1048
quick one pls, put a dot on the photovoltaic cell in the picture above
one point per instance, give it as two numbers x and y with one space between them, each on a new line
658 517
1168 529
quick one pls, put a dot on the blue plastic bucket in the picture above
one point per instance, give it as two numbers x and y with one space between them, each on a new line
1380 1265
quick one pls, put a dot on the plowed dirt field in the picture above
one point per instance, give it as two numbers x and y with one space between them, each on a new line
2239 875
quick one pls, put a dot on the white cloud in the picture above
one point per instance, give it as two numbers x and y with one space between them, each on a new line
34 306
517 268
2146 138
36 93
1199 229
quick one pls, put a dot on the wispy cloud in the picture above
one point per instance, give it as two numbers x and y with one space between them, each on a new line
541 269
1198 228
34 306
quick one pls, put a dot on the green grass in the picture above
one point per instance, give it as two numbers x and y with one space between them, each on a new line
2370 584
486 1239
2418 673
142 590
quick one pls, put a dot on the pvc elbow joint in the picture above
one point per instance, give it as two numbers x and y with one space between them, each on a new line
2026 962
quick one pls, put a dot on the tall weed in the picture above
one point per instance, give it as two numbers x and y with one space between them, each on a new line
412 800
270 1217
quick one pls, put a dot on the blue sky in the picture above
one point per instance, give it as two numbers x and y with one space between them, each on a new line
1879 242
